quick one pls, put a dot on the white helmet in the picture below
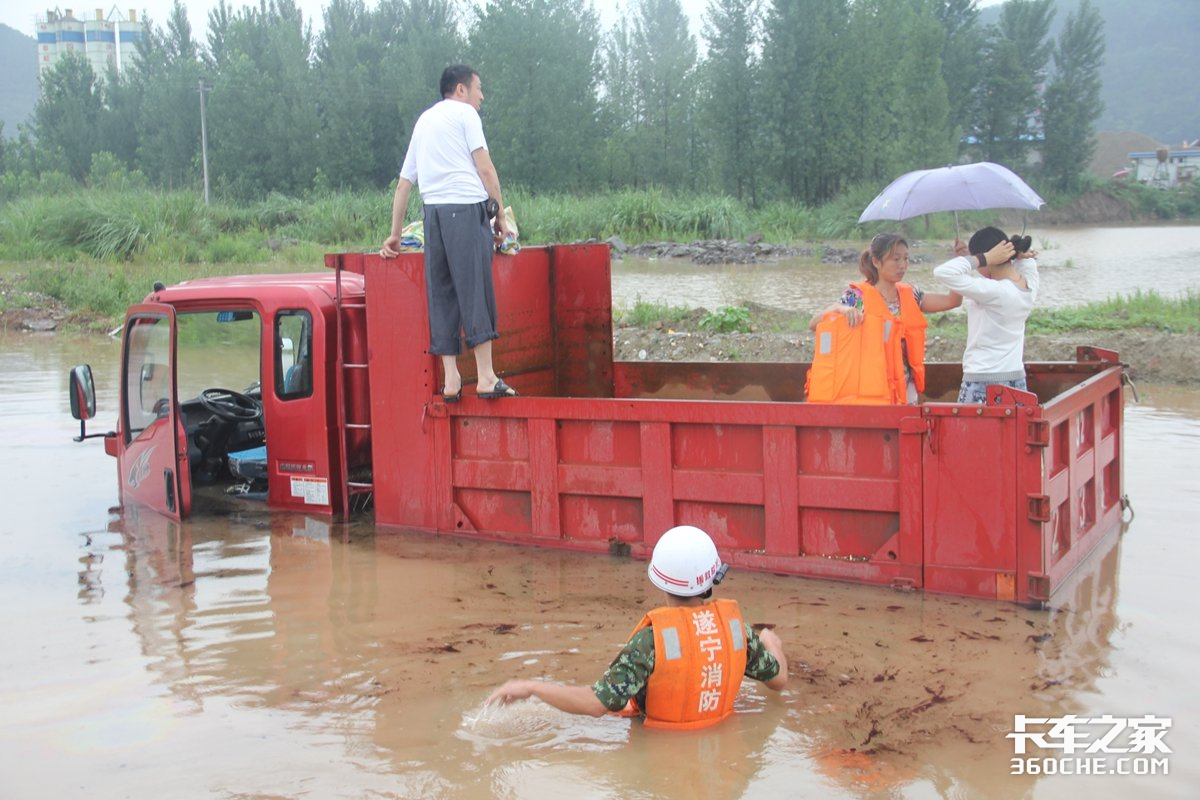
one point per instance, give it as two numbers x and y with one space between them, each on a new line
685 562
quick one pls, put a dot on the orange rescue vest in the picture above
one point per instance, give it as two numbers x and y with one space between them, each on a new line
865 364
699 661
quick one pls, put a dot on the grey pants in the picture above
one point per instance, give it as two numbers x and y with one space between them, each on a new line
458 277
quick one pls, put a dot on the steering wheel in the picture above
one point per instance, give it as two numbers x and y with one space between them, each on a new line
230 405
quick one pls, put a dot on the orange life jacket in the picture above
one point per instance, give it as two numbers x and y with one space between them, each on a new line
699 661
865 364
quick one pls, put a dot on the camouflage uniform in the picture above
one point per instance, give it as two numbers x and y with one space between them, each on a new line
628 673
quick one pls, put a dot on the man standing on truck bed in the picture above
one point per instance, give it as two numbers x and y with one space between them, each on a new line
684 663
448 157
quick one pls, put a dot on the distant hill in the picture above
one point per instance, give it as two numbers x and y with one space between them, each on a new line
19 86
1149 69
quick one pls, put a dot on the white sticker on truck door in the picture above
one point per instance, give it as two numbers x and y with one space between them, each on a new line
315 491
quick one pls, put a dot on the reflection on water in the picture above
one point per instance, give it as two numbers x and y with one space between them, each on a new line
1077 265
261 654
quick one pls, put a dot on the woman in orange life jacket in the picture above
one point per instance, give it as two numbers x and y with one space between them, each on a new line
894 371
684 662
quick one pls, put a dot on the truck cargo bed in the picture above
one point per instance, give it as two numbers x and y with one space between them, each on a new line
1000 501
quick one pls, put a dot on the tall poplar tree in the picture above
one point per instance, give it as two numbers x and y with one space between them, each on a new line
730 94
537 61
962 65
665 58
621 106
168 70
262 114
926 135
420 38
116 128
66 113
807 97
1008 120
347 56
1072 99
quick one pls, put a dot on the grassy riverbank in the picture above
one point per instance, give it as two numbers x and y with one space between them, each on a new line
144 226
138 225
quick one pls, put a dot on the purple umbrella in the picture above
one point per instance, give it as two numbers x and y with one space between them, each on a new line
961 187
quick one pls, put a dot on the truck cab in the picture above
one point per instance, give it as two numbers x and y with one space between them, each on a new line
235 387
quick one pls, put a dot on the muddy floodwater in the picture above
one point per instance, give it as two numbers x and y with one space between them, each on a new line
259 655
275 655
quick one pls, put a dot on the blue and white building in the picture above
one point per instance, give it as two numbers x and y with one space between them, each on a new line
1166 166
103 40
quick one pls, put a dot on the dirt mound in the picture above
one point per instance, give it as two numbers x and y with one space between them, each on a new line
1092 208
1113 149
22 310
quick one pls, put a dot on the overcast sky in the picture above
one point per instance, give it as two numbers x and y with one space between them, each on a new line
22 14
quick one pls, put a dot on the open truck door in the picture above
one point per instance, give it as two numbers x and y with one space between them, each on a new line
152 443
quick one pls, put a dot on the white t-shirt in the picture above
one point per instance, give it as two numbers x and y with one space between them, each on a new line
996 314
439 154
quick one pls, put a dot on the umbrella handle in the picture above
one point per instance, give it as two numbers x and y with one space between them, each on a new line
957 237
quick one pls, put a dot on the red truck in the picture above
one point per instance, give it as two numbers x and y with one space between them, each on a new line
335 408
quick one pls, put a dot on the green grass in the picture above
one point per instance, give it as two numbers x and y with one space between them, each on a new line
1144 310
645 315
1138 310
122 220
103 290
143 225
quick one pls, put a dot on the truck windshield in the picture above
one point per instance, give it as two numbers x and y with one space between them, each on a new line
219 349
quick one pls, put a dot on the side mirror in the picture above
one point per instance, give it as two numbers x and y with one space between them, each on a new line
83 393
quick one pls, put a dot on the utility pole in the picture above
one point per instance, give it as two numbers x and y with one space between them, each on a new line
203 140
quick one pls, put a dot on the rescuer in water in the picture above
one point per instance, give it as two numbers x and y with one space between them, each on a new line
683 664
448 157
870 344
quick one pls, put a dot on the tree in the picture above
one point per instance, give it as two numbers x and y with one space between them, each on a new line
926 134
420 39
262 119
807 97
66 112
347 56
962 43
664 55
729 111
620 106
867 69
1072 101
537 62
121 108
167 73
1015 58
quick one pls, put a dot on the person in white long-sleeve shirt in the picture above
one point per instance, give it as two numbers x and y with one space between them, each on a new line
998 279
